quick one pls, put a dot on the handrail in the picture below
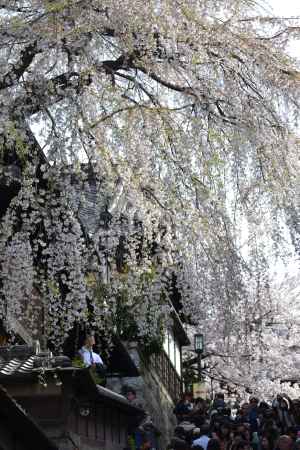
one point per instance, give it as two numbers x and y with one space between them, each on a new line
167 374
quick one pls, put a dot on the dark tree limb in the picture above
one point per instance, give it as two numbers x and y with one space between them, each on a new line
39 96
26 58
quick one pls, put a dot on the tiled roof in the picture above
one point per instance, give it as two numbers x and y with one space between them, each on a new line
16 366
89 209
20 361
93 203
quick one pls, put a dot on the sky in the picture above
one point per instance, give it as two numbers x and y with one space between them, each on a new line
287 8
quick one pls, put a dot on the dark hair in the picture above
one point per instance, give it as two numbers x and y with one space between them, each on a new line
187 394
264 405
131 390
179 432
126 389
178 444
265 436
241 445
292 430
226 424
88 336
220 395
213 444
226 412
204 429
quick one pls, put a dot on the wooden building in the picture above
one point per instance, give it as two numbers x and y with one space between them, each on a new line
73 412
18 431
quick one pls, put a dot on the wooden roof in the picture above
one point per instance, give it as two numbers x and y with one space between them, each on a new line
22 425
85 387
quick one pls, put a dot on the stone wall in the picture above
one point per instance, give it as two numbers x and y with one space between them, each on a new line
151 394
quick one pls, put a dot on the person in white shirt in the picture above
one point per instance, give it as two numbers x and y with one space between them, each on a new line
203 440
89 357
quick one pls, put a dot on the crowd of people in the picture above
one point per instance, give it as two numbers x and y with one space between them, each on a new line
206 425
256 425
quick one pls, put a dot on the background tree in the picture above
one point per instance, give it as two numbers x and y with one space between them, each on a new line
268 361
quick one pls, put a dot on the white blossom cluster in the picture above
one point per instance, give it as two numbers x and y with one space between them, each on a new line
142 146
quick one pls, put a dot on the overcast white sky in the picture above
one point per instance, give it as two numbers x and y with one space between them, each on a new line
287 8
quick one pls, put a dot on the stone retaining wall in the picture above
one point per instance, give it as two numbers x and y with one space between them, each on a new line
151 394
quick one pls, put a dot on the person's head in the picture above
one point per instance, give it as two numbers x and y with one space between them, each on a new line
146 445
220 396
283 402
242 445
130 394
89 341
240 428
245 409
179 444
204 431
187 397
199 420
253 402
292 433
284 443
213 413
236 437
263 406
269 423
265 443
226 412
224 429
213 444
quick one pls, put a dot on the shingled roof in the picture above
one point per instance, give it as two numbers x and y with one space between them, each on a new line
15 366
20 361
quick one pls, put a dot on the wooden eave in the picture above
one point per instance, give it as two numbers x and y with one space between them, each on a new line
84 387
179 330
22 424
